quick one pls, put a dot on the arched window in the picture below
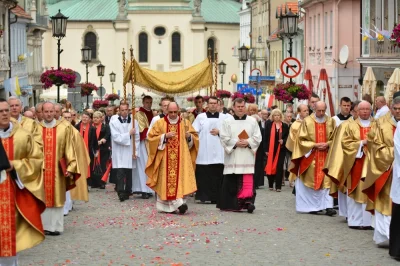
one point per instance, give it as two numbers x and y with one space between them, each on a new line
211 44
380 88
143 47
176 47
91 41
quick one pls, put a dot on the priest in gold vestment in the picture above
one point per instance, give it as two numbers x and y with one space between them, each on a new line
62 167
21 189
173 147
26 123
302 111
309 154
355 152
378 172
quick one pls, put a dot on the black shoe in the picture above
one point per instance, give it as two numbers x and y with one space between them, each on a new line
251 208
102 187
183 208
145 196
121 197
330 212
213 202
368 228
49 233
150 195
315 213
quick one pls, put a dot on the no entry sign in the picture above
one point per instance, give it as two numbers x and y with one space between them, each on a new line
291 67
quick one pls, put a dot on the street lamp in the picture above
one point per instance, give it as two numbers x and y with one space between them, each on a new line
86 58
243 57
112 80
222 71
100 73
289 24
59 27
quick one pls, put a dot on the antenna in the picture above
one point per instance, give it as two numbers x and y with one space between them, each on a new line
343 56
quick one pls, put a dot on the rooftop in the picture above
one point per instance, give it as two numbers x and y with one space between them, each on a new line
20 12
213 11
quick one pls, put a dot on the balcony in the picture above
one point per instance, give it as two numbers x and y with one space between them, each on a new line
384 49
42 20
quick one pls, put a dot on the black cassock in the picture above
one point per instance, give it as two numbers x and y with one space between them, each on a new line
261 159
231 185
209 180
394 233
4 163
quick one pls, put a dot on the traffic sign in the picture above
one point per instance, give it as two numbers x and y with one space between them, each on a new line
255 71
291 67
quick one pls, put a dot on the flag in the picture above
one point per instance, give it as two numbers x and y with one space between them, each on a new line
11 85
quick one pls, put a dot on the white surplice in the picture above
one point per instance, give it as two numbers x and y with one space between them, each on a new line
239 160
210 148
122 144
381 112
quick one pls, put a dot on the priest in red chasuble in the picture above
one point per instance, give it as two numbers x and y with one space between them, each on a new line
64 163
21 189
173 147
309 155
139 178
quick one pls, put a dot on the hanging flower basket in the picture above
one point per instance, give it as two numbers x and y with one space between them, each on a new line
88 88
100 103
206 98
248 97
223 94
58 77
112 97
189 99
287 92
395 36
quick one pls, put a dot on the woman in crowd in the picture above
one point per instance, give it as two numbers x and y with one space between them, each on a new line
276 136
252 109
88 133
103 137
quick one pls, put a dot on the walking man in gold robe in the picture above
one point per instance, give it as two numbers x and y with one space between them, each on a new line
21 189
173 147
309 154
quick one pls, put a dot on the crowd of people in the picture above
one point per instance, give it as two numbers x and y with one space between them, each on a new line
50 155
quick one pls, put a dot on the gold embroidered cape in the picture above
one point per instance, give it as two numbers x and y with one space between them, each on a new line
32 127
171 171
305 143
27 160
378 168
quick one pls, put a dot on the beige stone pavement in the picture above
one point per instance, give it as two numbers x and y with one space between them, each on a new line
108 232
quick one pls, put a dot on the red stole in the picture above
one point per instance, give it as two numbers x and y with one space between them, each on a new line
173 158
356 171
149 115
272 162
8 228
49 173
85 135
373 191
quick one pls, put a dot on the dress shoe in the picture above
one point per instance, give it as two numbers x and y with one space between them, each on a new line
330 212
49 233
251 208
183 208
145 196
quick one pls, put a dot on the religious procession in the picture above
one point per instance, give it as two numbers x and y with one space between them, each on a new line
163 161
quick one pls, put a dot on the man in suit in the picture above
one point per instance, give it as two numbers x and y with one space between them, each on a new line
261 157
109 114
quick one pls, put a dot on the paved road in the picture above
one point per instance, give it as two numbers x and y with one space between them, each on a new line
107 232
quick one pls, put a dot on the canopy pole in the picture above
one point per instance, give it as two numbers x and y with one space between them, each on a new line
216 73
132 78
210 61
123 71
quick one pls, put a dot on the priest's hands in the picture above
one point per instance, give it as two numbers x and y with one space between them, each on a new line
280 141
187 135
68 174
132 131
321 146
242 143
170 135
214 132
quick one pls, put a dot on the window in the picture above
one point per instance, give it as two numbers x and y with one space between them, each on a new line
143 47
211 44
176 47
331 30
326 30
319 31
315 32
159 31
309 34
366 25
91 41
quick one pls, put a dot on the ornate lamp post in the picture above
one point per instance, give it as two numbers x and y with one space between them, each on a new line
289 24
112 80
59 27
243 57
100 73
222 71
86 59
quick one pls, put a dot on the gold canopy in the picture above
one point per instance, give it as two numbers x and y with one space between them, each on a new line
179 82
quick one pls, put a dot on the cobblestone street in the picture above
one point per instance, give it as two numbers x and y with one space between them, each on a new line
107 232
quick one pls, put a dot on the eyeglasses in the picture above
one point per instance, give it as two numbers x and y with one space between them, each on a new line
172 112
396 109
5 111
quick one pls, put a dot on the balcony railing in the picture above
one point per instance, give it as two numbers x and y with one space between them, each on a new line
42 20
383 48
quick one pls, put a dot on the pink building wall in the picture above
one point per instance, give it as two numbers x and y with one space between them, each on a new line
339 24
